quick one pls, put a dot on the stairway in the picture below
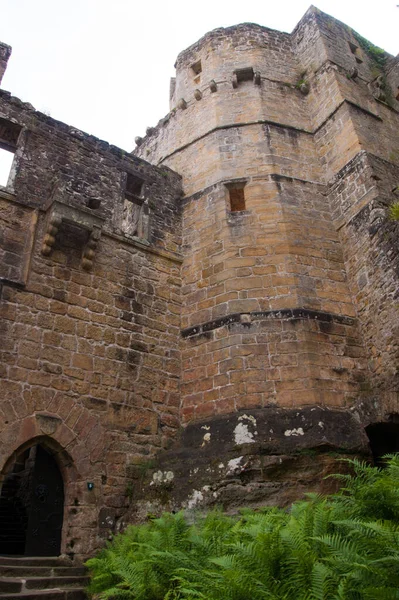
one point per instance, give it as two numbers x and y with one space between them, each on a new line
42 578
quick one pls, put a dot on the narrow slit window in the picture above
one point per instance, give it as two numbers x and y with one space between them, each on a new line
397 95
133 205
196 70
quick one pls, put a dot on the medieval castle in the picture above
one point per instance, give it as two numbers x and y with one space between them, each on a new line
210 319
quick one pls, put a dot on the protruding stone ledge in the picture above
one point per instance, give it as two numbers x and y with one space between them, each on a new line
60 213
254 457
286 314
275 430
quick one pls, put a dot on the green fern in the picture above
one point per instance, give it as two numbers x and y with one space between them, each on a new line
343 547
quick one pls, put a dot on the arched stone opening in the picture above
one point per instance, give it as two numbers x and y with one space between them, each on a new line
384 439
32 499
79 452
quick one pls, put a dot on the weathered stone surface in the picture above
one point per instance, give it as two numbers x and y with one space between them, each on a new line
172 346
5 53
255 457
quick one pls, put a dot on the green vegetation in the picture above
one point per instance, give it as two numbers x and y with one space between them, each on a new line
394 211
342 547
376 54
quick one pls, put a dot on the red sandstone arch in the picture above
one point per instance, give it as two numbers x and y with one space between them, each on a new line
79 453
84 441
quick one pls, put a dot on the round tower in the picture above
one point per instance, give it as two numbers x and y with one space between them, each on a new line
268 321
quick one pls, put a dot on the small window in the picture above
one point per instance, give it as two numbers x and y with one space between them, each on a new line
9 133
353 47
133 206
246 74
356 52
397 95
236 196
134 187
196 67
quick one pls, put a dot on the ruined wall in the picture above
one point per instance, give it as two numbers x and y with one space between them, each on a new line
5 53
90 325
361 195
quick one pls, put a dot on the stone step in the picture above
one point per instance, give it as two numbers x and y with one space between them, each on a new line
35 561
12 584
70 594
40 571
41 578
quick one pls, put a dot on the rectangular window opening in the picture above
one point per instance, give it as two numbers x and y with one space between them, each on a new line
133 205
246 74
397 95
9 134
134 188
356 52
353 47
196 67
6 160
237 198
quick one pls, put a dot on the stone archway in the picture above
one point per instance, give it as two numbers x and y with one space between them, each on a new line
32 503
78 452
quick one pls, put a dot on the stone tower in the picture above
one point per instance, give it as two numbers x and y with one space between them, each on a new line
214 317
288 148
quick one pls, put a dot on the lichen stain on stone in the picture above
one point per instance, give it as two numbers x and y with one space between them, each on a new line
294 432
233 466
242 434
160 477
206 439
250 418
196 497
207 436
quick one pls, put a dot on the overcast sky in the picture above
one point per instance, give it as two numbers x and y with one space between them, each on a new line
104 65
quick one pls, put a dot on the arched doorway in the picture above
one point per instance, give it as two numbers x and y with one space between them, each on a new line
384 439
32 505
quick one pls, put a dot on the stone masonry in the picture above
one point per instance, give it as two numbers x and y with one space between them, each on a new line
210 319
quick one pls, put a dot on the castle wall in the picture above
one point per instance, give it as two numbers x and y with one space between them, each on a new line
90 357
282 253
277 313
360 195
212 329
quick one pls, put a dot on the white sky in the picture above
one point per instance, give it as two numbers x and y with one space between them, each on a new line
104 65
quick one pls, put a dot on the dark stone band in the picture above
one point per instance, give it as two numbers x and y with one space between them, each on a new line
286 314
